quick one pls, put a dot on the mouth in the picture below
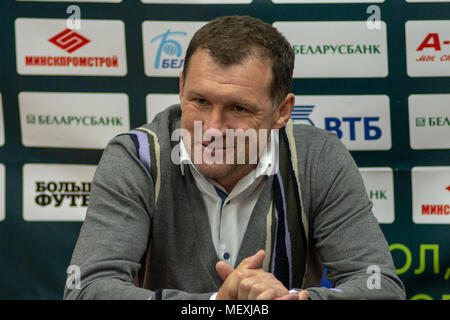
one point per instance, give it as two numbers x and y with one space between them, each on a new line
216 151
214 146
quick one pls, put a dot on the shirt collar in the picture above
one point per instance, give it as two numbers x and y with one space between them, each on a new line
185 159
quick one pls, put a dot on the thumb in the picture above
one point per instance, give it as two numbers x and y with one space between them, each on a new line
224 269
253 262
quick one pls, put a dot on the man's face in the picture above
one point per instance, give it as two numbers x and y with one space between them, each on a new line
221 98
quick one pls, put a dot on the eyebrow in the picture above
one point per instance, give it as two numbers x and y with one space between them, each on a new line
242 101
195 93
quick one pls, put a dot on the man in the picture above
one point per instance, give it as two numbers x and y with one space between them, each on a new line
199 227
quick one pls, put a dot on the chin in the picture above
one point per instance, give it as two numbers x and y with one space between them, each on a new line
215 171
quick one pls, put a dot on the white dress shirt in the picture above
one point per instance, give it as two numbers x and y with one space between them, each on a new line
229 214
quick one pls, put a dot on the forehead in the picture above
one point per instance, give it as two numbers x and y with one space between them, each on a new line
253 74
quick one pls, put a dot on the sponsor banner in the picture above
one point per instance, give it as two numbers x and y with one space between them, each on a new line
165 44
327 1
197 1
428 1
99 1
157 102
48 46
56 192
72 120
2 192
431 195
361 122
428 48
379 184
2 124
338 49
429 121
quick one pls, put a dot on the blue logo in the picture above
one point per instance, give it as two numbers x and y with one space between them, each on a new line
371 129
169 47
301 113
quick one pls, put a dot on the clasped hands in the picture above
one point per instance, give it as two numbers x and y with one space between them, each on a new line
249 282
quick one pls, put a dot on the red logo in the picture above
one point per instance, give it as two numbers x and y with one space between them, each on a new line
69 40
432 41
448 188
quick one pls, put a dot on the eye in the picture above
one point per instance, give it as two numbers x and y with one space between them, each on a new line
239 109
201 101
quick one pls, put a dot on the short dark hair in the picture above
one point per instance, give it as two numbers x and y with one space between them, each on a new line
232 39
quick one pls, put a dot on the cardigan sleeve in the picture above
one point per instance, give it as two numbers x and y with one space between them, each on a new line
115 233
346 234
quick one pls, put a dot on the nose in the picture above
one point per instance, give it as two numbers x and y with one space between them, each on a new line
214 129
216 120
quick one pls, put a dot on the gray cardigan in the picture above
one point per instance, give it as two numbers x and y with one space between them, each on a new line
343 236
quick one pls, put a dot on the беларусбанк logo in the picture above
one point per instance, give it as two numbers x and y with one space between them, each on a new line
165 44
337 49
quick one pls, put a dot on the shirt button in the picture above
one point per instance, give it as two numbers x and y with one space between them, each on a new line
226 256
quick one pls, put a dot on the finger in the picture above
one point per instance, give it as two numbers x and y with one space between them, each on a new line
289 296
254 261
251 273
251 288
223 269
256 281
246 286
256 290
268 294
303 295
229 289
234 280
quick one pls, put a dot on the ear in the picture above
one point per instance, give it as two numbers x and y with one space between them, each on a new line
283 112
180 92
